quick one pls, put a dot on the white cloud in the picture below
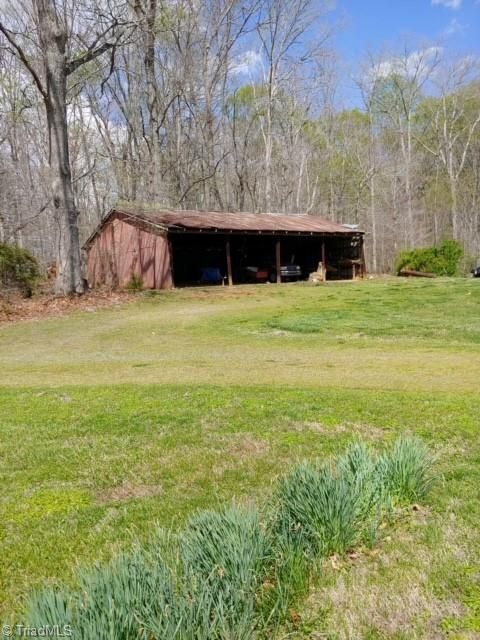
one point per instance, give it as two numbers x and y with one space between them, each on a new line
455 27
450 4
417 64
246 63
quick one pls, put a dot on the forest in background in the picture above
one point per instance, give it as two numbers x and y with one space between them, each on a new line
233 105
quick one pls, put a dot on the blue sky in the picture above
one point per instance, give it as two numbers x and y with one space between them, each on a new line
382 26
373 23
383 30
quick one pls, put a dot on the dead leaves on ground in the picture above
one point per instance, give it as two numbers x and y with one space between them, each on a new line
14 308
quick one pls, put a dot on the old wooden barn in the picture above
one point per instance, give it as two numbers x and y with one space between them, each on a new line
159 249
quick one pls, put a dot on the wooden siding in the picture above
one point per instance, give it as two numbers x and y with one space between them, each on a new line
122 251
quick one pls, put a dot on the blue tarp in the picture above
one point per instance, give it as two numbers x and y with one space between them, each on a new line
211 275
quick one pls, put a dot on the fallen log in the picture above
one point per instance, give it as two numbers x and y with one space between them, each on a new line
416 274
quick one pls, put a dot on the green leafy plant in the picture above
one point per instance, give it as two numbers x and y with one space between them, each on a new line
443 260
18 269
135 283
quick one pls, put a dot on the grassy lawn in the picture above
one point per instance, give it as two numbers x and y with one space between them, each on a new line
111 421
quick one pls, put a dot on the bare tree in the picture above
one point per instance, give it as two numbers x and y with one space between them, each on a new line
281 29
451 124
65 36
398 84
225 104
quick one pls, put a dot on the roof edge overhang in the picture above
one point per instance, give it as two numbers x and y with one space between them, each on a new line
146 223
135 219
265 232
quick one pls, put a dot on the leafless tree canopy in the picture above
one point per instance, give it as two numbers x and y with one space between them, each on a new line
226 105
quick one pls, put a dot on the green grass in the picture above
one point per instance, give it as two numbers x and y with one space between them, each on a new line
116 420
236 572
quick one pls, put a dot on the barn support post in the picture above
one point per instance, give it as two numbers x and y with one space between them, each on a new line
324 262
278 261
170 259
363 271
229 263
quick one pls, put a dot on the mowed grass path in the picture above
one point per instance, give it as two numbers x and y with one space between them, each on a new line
112 421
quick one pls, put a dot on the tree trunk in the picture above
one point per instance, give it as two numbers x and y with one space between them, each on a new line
454 209
268 160
408 187
53 42
152 99
373 223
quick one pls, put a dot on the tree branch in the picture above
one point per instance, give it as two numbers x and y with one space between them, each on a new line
95 50
88 56
19 52
202 179
31 219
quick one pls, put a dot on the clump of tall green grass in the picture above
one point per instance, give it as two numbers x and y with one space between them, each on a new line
125 598
287 582
50 607
316 510
198 585
227 552
226 547
406 470
330 508
230 574
359 467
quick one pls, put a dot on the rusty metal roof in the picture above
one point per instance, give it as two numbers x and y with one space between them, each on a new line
213 221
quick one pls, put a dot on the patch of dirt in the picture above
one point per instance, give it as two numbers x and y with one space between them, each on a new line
245 444
224 293
238 449
353 429
128 491
14 308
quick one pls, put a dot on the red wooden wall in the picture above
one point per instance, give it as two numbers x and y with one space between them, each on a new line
121 251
